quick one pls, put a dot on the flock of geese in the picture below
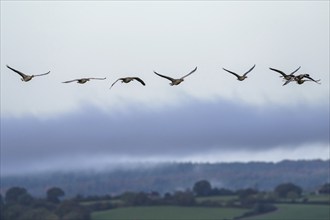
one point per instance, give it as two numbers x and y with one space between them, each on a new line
299 79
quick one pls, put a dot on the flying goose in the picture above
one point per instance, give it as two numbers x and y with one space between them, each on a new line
83 80
287 77
240 78
127 80
25 77
300 79
175 81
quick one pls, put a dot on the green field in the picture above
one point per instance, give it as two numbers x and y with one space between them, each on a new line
296 212
168 213
318 198
221 199
112 201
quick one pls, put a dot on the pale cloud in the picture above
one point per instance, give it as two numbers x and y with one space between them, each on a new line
221 129
301 152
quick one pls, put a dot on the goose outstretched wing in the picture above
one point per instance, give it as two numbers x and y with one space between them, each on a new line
311 79
98 78
43 74
295 71
16 71
288 81
279 71
190 73
249 70
140 80
115 82
69 81
235 74
166 77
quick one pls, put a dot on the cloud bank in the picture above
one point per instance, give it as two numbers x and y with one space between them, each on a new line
195 128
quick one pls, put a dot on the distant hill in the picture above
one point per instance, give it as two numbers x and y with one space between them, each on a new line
168 177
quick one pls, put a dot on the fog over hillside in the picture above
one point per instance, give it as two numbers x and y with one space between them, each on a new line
168 177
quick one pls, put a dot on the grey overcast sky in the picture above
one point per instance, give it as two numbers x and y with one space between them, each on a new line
210 117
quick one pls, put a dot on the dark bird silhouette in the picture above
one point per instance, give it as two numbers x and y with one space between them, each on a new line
287 77
239 77
300 79
127 80
26 77
176 81
83 80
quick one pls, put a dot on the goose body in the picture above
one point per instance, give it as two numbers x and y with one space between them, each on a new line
287 77
127 80
300 79
25 77
83 80
175 82
240 77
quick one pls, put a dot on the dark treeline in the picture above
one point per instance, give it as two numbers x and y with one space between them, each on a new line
18 204
308 174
